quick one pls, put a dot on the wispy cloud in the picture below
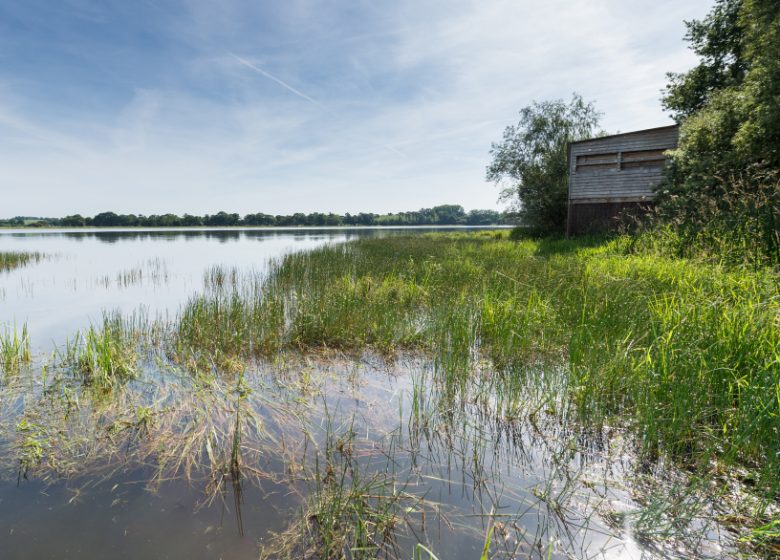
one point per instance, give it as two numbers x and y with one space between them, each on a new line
273 78
300 112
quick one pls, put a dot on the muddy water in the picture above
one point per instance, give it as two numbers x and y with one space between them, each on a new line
172 466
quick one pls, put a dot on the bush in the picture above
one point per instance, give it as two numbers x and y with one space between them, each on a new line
735 221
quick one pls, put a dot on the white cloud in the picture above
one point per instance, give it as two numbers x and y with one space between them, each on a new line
388 108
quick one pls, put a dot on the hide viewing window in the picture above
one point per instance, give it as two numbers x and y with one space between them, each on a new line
647 159
596 162
644 158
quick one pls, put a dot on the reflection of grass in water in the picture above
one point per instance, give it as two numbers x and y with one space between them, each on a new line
14 259
686 353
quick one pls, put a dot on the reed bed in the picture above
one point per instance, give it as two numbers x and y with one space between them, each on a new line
15 259
685 353
538 367
14 349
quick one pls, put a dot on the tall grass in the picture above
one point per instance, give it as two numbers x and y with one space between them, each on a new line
103 356
14 259
734 220
14 349
686 353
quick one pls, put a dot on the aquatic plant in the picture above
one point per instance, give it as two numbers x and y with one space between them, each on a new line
14 349
104 356
14 259
684 352
535 354
350 511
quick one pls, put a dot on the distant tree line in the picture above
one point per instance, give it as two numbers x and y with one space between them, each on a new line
447 214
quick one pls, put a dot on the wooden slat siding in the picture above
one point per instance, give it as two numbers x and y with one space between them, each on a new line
629 184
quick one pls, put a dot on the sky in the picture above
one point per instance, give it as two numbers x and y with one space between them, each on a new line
153 106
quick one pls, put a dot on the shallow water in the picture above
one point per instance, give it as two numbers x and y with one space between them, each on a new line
547 488
152 468
143 271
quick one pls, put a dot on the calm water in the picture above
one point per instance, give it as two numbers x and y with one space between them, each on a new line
141 270
143 472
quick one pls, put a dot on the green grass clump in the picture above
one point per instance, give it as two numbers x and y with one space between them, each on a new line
349 513
685 352
103 357
14 259
14 349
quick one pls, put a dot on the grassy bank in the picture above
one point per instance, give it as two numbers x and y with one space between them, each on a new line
686 354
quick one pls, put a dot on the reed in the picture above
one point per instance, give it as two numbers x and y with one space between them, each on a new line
685 352
103 356
15 259
14 349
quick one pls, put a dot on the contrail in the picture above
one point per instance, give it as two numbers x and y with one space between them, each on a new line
285 85
302 95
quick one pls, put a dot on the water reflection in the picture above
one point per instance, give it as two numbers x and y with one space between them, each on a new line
149 272
219 468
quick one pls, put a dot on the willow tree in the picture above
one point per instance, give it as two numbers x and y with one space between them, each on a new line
531 160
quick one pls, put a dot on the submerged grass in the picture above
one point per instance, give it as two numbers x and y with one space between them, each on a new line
686 353
350 511
14 259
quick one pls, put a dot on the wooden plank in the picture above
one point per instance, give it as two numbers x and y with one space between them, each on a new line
608 200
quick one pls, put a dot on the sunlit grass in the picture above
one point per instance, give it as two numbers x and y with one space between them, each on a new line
103 356
589 336
686 353
14 349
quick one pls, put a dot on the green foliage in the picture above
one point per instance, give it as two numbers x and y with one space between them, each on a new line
719 42
532 159
444 214
729 107
739 226
14 259
685 352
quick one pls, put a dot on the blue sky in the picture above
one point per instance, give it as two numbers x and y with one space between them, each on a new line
152 106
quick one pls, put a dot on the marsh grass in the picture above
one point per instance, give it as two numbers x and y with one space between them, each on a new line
685 353
15 259
103 356
361 480
14 349
538 351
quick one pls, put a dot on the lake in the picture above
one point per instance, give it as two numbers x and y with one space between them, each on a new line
271 458
148 271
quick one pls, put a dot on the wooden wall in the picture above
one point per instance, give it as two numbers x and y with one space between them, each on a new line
615 170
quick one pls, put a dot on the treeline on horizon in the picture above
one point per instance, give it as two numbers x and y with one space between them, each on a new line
446 214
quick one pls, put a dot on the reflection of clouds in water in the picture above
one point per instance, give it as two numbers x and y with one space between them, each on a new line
120 270
96 270
460 465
